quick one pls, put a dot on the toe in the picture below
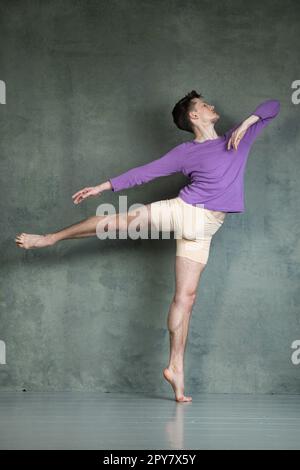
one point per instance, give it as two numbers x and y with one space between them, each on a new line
184 399
180 399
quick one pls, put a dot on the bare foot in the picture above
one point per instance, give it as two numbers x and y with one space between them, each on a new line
176 379
27 241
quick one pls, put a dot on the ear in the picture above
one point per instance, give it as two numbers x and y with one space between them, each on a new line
193 114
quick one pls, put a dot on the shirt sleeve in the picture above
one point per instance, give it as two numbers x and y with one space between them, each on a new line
168 164
266 111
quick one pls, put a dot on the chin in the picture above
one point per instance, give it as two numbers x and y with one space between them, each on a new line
216 118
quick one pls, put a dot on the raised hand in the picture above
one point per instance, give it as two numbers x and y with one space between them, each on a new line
236 136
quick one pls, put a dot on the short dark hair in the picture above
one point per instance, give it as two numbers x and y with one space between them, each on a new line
181 110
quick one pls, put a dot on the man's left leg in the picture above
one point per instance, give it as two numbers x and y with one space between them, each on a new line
188 274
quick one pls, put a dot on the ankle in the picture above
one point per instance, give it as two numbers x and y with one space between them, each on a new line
51 238
177 368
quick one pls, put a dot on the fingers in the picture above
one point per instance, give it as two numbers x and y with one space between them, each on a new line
237 141
233 141
84 190
76 194
81 197
84 193
77 197
229 143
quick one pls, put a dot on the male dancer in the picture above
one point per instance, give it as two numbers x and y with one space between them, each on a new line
215 165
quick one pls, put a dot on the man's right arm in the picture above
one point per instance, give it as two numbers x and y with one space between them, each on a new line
105 186
168 164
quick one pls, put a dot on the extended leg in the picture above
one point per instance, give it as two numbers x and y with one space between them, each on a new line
187 279
86 228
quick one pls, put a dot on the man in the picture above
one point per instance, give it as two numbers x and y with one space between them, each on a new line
215 165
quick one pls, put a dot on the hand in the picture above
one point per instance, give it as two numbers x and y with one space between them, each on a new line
85 193
236 136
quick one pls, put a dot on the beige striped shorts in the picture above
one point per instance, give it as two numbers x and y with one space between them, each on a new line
193 226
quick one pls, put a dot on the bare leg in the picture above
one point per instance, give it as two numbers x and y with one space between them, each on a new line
187 279
85 228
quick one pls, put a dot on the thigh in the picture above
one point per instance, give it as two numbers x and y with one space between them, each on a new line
141 215
196 250
164 214
187 273
198 228
160 215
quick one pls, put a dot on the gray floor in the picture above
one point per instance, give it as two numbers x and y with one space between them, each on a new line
90 420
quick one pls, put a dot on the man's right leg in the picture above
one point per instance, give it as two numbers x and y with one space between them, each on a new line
87 228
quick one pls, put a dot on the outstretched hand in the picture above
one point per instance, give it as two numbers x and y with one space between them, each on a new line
85 193
236 136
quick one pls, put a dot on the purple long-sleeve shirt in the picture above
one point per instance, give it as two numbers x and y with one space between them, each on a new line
216 174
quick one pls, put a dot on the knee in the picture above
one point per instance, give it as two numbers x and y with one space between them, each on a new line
140 218
185 300
183 303
112 222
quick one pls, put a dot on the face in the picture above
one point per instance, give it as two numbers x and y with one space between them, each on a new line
203 112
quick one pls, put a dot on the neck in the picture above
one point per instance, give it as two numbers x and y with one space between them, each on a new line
205 133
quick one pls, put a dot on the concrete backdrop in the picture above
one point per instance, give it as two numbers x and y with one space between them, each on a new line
90 89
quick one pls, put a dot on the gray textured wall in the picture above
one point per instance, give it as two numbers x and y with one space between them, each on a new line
90 88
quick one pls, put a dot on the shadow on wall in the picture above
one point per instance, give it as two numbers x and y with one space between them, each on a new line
141 345
138 343
226 309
